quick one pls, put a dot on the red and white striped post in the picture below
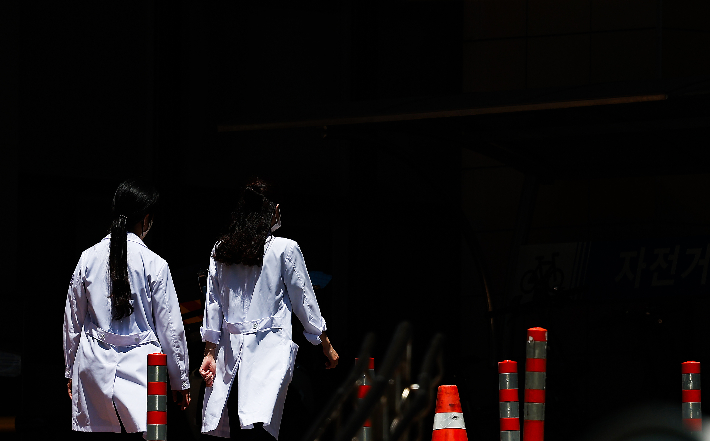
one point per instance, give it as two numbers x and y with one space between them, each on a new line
535 371
157 417
692 416
508 398
363 386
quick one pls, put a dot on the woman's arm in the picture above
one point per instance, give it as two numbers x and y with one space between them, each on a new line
329 352
74 316
170 330
304 303
211 324
300 291
211 329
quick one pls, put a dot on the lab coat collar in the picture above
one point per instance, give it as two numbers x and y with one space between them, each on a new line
268 241
131 237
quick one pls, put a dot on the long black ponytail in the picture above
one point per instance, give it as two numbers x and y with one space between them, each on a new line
131 203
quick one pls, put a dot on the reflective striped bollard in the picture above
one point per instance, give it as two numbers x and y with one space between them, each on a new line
508 398
157 417
363 386
448 419
692 416
535 371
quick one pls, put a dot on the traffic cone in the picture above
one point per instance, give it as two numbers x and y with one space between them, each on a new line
448 419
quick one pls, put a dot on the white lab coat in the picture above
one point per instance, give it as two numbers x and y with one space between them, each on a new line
107 359
248 315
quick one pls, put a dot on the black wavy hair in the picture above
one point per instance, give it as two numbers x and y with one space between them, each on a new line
133 200
250 226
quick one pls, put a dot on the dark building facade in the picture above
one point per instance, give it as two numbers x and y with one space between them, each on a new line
473 167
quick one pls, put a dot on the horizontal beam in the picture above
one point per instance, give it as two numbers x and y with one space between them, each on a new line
397 117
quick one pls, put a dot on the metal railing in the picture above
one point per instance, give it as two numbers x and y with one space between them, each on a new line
393 404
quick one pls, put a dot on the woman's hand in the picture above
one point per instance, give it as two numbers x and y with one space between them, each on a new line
332 357
329 352
182 397
208 369
69 388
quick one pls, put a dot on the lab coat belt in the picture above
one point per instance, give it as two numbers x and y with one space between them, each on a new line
253 326
112 339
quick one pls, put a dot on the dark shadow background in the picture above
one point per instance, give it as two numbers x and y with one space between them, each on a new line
414 220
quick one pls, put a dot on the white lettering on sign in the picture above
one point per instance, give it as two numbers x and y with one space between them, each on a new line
696 260
664 266
660 261
626 270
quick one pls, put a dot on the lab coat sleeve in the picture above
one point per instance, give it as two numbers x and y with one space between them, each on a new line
212 319
168 326
74 315
300 291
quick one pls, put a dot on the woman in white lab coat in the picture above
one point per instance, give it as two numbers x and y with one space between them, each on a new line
255 281
121 306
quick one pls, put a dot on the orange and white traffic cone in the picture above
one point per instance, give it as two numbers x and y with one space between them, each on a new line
448 419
